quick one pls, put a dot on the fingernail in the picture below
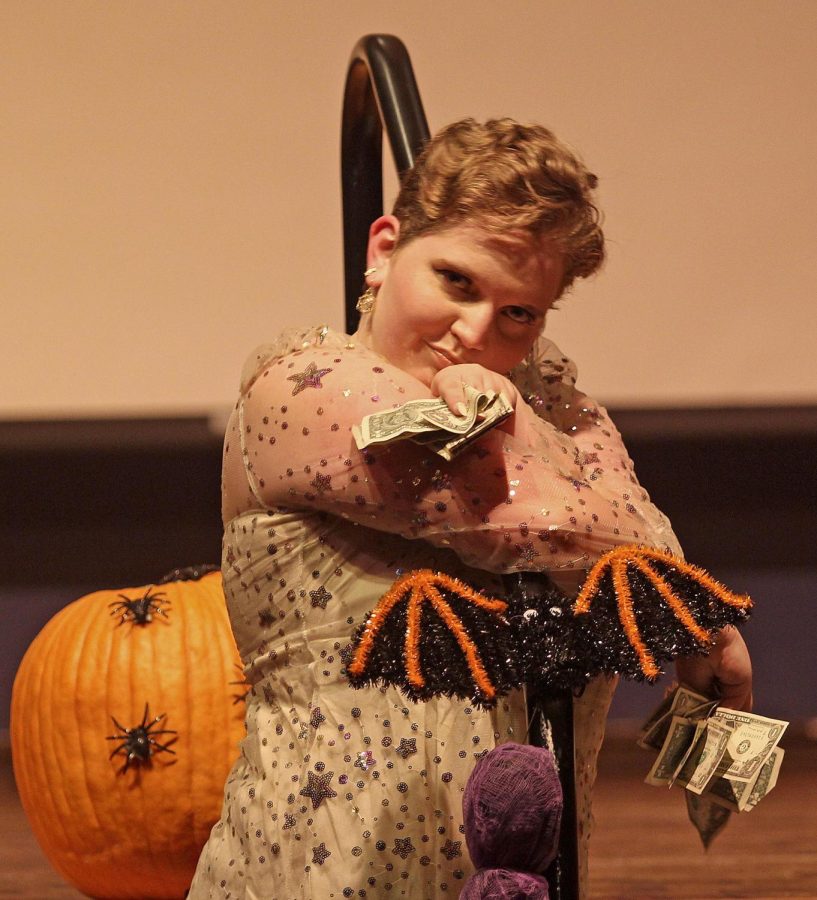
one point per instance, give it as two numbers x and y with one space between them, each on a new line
462 409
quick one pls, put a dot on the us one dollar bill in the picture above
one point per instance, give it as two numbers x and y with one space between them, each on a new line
727 759
682 701
431 423
752 740
708 817
678 743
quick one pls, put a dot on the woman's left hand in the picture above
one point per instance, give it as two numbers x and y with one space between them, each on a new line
449 385
726 673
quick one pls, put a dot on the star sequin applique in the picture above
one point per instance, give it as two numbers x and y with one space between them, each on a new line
320 597
320 854
321 482
403 847
365 760
451 849
420 519
406 747
527 552
310 377
318 788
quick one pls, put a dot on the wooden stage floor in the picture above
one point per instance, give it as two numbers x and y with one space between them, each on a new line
642 847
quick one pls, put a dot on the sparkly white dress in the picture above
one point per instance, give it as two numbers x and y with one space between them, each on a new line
357 793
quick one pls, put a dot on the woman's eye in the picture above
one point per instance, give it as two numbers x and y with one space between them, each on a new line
520 314
455 279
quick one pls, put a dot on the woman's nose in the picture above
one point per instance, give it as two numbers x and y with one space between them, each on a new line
473 325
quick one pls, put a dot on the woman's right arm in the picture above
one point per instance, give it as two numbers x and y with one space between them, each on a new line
501 506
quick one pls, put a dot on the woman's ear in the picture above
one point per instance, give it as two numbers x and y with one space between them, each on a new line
383 236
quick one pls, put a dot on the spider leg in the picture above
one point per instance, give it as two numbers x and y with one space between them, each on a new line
120 727
148 728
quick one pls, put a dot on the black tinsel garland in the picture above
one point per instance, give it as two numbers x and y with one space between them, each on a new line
638 609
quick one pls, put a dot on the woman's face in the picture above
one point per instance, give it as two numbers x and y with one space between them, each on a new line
462 295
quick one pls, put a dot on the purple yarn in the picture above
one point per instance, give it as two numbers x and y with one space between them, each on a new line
503 884
512 809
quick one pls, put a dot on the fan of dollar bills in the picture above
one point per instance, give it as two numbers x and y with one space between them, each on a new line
726 759
431 423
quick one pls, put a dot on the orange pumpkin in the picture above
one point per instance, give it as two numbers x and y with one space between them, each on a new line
121 812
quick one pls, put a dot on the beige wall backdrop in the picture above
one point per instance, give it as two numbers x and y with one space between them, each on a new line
170 187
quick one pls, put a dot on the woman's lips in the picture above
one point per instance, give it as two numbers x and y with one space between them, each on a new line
444 357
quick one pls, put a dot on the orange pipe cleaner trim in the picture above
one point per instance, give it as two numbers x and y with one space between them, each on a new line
412 651
423 586
376 620
626 614
468 647
679 608
703 577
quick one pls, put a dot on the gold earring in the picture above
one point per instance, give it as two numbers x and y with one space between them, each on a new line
365 302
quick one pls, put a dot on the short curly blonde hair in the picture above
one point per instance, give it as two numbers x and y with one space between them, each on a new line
504 176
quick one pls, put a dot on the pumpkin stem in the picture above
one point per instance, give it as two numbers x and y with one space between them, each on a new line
189 573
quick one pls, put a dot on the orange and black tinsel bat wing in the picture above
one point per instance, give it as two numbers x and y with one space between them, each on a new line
433 635
640 607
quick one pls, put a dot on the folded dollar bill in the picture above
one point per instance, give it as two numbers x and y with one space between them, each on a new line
431 423
727 759
680 702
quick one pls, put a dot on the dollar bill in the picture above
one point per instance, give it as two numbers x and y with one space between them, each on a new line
727 759
440 416
677 745
708 817
389 425
708 756
431 423
498 412
729 793
767 777
752 740
681 701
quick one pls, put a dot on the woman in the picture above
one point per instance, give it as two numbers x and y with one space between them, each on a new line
342 793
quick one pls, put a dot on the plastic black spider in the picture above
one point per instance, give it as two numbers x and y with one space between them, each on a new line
140 610
138 744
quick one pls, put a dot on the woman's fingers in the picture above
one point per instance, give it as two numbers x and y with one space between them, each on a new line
450 384
734 670
726 673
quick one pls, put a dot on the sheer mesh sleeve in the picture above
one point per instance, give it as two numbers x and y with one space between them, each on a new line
504 504
547 382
